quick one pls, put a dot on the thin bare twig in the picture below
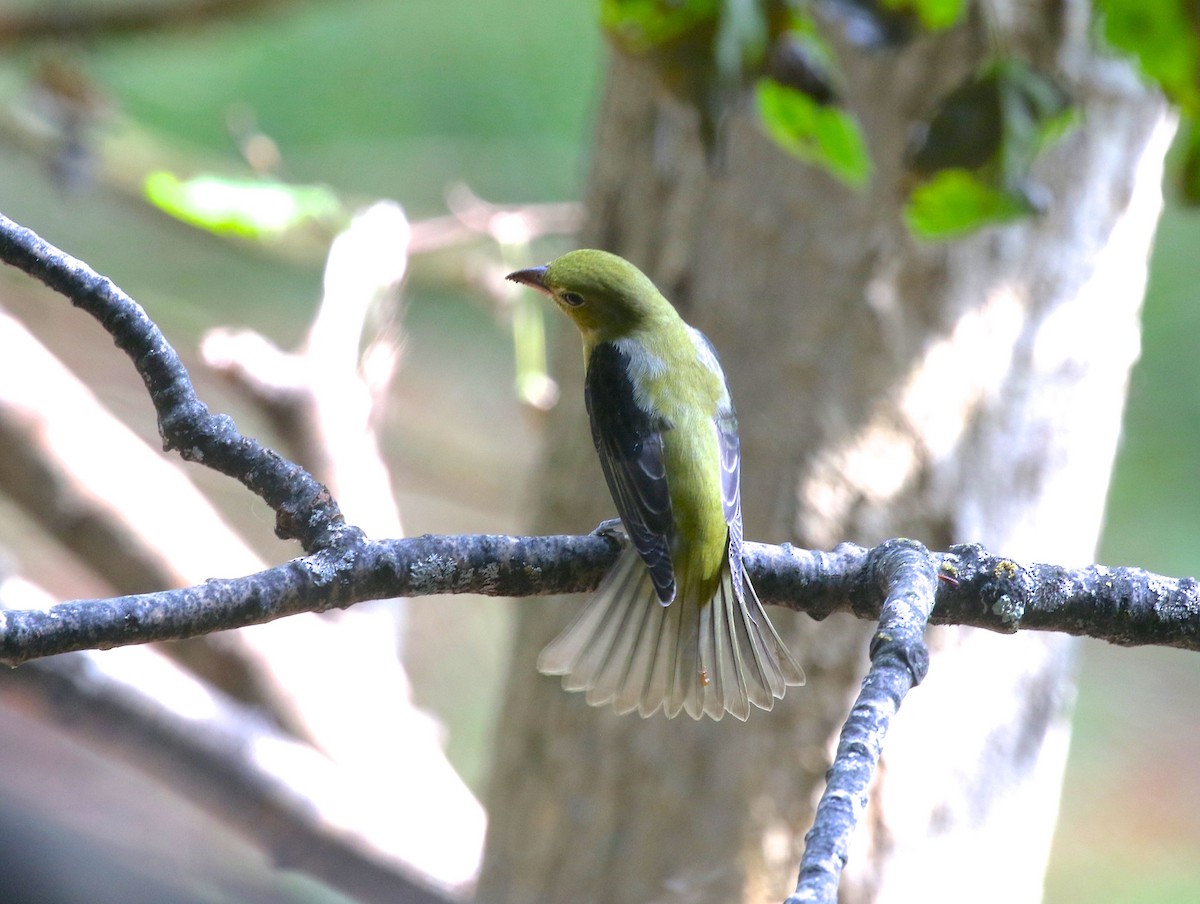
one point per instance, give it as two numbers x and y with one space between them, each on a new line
303 508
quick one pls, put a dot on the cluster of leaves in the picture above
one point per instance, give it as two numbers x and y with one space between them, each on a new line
976 151
1163 37
972 158
707 52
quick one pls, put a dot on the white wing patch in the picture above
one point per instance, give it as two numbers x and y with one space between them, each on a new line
644 366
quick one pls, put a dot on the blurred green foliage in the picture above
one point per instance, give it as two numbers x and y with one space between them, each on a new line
382 98
642 25
1163 38
934 14
370 98
253 208
954 202
978 149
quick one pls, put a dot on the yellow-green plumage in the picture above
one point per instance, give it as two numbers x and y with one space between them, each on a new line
676 623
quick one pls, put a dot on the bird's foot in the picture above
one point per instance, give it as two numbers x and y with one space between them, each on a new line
614 528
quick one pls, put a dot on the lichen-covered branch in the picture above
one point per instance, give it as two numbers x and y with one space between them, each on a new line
334 578
907 576
1127 606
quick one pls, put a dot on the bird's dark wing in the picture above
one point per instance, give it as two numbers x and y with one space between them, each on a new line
628 440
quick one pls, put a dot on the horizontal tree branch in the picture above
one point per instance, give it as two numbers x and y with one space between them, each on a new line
1126 606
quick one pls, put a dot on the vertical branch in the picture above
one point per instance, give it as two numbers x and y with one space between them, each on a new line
899 661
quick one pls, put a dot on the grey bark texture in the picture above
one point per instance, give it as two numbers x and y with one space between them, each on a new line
966 391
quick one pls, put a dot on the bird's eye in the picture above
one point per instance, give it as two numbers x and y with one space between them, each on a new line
574 299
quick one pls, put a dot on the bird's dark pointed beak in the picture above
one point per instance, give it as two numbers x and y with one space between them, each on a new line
534 277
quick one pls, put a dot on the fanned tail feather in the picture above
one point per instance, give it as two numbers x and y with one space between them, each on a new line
626 649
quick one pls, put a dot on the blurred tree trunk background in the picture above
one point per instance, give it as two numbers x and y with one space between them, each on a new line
952 392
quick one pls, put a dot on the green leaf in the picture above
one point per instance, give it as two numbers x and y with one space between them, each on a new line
935 15
641 25
251 208
1162 35
955 202
823 135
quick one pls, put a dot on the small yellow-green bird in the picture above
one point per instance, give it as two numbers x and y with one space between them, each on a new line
676 624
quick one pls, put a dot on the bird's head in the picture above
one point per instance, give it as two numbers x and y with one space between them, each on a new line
606 296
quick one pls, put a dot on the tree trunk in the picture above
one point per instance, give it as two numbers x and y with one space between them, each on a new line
967 391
